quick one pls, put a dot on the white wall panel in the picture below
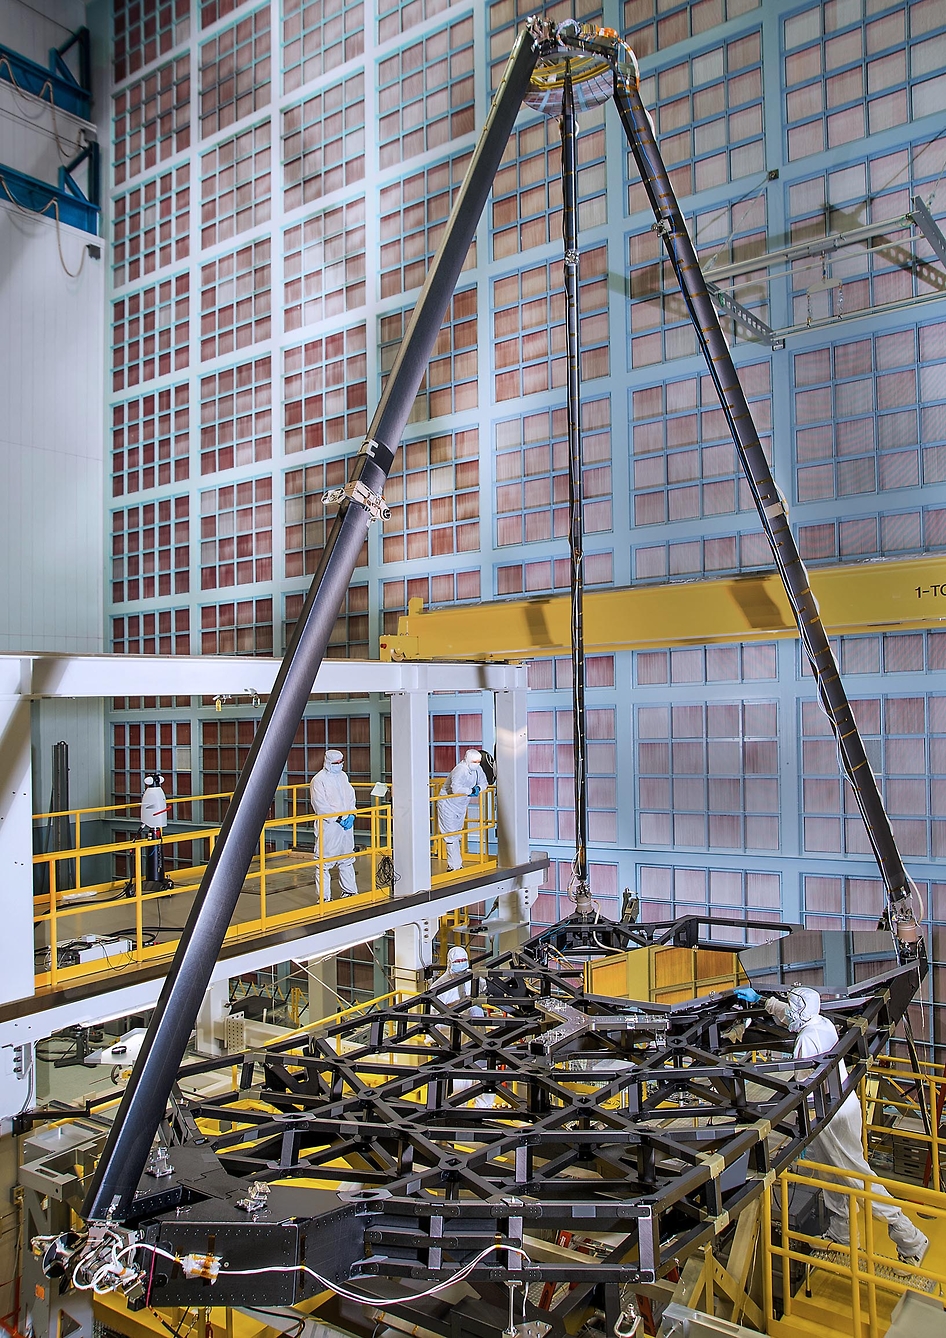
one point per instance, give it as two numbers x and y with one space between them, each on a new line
81 724
52 377
51 437
28 137
50 550
32 29
52 360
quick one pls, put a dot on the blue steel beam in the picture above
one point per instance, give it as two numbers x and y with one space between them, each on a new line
57 84
66 201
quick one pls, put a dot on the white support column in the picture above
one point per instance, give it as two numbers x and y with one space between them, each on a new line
410 788
512 809
413 951
323 984
212 1018
16 831
512 777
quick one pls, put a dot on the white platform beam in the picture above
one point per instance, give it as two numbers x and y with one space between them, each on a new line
237 675
138 998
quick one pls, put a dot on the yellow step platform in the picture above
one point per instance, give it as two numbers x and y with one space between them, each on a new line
829 1310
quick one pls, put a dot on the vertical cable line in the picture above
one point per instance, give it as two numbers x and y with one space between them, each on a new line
569 131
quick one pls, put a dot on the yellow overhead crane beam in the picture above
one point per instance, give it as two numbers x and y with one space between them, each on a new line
879 596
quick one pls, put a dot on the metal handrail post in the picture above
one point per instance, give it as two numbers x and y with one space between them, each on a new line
786 1260
871 1272
53 925
139 908
854 1245
767 1255
935 1106
262 878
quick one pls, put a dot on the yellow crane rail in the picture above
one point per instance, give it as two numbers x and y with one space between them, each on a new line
855 598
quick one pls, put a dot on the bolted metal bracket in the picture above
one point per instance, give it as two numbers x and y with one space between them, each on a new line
929 227
744 317
357 491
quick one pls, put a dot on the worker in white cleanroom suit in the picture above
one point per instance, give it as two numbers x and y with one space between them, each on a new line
840 1142
153 819
466 780
331 793
458 963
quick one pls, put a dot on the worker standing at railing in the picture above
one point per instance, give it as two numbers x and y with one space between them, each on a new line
332 794
840 1142
465 782
153 819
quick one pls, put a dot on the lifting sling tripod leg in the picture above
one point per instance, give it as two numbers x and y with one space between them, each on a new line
143 1105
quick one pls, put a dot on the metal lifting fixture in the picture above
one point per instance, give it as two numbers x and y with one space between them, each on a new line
552 67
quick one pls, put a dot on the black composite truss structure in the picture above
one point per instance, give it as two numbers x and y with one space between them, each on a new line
396 1147
560 69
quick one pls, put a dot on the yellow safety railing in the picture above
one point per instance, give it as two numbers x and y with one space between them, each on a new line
294 800
866 1273
288 883
476 837
896 1085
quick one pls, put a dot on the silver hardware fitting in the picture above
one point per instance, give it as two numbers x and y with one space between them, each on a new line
663 227
258 1197
159 1164
542 31
627 1323
373 502
571 257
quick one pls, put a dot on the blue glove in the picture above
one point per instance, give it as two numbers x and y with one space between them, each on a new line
474 792
747 995
347 822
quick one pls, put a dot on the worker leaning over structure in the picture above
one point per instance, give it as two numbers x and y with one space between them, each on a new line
332 796
465 782
840 1142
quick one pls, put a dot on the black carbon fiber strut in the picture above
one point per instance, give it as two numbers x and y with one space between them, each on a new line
145 1100
769 502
